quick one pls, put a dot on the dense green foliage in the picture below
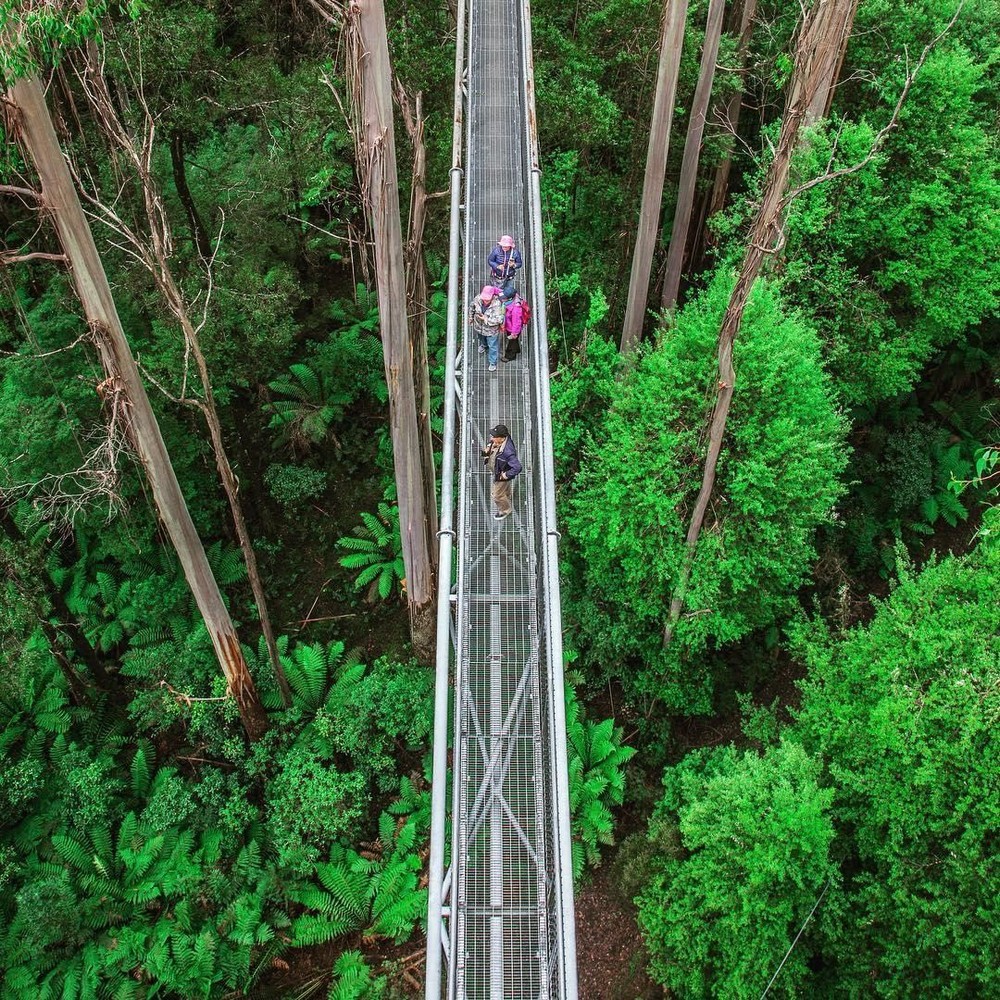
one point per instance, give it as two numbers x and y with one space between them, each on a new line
701 907
597 759
147 850
118 871
883 790
631 499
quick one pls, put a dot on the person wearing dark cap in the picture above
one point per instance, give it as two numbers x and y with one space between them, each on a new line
500 457
504 261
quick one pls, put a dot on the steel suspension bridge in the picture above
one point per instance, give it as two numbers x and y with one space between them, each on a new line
500 912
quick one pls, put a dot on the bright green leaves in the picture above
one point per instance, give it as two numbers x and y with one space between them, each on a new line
883 792
597 762
898 259
304 417
756 833
376 549
630 502
37 32
904 711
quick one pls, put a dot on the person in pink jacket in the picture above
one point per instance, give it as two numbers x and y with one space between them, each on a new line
516 313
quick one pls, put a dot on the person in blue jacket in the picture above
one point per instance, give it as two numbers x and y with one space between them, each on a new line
500 457
505 261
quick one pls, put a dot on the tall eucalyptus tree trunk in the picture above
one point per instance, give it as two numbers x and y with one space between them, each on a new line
374 135
692 154
155 252
731 115
829 32
416 291
668 68
59 199
818 52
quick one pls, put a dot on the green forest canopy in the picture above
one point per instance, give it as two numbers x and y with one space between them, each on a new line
147 849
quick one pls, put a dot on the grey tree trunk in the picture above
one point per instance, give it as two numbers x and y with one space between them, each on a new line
59 198
828 34
692 154
668 68
416 293
376 153
731 117
155 252
817 54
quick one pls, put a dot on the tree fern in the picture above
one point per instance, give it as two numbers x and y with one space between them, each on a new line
141 771
353 980
376 549
597 762
311 930
307 674
311 404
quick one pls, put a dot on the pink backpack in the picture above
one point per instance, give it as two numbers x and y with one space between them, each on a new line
516 317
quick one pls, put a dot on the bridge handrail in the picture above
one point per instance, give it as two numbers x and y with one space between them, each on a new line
446 539
555 678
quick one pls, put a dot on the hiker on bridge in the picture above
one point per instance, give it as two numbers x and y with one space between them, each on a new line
505 261
500 457
487 320
516 313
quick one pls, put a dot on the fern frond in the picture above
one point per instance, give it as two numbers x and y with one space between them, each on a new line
311 930
141 771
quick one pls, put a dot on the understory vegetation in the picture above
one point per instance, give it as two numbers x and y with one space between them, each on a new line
781 736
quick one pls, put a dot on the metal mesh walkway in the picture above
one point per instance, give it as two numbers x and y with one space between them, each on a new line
501 916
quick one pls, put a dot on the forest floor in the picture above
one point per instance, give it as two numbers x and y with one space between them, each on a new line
610 955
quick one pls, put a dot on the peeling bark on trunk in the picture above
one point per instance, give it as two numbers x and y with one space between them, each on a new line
227 477
59 198
156 254
816 54
376 153
668 68
416 296
827 38
692 154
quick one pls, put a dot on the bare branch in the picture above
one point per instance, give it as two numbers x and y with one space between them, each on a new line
329 10
48 354
8 257
210 274
20 192
883 133
62 497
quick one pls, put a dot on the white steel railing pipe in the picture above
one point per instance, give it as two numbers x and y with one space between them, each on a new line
565 909
446 541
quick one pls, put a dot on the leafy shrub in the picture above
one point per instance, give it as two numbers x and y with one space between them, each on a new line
581 392
293 485
387 710
101 909
309 805
889 767
310 407
756 833
903 710
375 890
630 502
316 394
353 979
922 459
